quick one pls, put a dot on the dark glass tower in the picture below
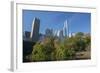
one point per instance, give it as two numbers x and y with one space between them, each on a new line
34 35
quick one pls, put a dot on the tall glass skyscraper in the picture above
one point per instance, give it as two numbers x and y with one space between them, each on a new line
34 35
66 29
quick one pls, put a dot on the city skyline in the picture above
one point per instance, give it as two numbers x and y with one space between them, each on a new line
77 22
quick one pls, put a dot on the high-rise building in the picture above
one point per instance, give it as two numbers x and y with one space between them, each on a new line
34 35
27 34
55 32
60 34
66 29
72 34
49 32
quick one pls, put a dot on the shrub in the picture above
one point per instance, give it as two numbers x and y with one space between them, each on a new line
59 53
38 53
69 53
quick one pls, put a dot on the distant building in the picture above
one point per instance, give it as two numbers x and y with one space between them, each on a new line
55 32
41 37
72 34
49 32
34 35
60 34
27 34
64 32
24 35
66 29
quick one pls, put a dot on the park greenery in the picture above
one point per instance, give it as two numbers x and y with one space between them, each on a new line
52 48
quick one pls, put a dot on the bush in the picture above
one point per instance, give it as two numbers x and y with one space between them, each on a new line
80 45
42 51
38 53
59 53
69 53
55 49
64 52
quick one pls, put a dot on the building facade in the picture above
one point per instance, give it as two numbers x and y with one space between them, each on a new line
34 35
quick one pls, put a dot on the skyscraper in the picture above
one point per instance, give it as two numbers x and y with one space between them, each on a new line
60 34
34 35
49 32
55 32
27 34
66 29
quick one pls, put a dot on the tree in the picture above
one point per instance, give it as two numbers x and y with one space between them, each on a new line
69 45
80 42
65 50
69 53
79 34
38 53
48 43
80 45
42 51
87 40
52 48
59 53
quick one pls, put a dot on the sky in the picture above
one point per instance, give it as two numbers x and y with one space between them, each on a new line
77 21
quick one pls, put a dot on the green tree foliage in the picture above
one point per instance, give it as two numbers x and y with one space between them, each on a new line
79 41
48 44
38 53
52 48
69 46
42 51
79 34
59 53
87 40
80 44
69 53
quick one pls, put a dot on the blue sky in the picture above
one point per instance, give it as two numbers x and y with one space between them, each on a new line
78 22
